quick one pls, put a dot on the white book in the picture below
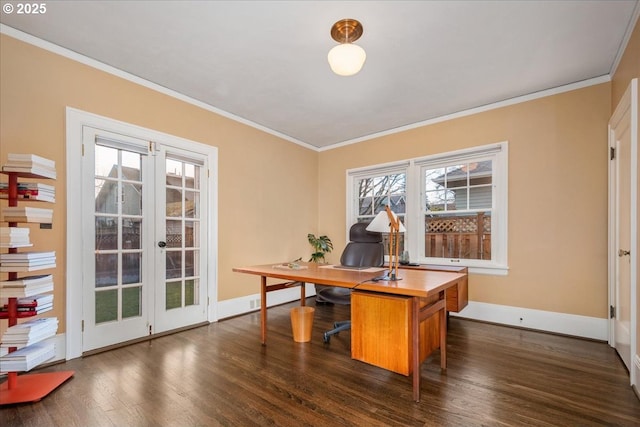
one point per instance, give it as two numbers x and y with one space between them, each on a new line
27 255
26 291
32 171
27 281
14 231
31 158
27 358
31 325
27 213
32 338
25 268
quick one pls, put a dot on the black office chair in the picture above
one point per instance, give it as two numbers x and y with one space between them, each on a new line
365 249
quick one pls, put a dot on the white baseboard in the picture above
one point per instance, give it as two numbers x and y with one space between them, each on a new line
636 368
249 303
548 321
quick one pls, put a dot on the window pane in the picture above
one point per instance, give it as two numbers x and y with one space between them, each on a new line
190 175
174 264
106 306
174 172
480 198
131 233
191 292
106 196
131 302
174 203
192 202
458 236
131 166
106 270
131 268
173 295
189 263
191 233
106 161
106 233
174 233
132 200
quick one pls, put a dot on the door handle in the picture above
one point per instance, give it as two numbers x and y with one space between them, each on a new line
162 244
622 252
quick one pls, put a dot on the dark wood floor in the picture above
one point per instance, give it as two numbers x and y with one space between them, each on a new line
220 375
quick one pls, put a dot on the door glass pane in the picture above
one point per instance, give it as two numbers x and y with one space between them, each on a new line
132 302
174 264
173 295
106 233
106 196
174 233
106 306
191 290
106 270
131 268
132 199
132 233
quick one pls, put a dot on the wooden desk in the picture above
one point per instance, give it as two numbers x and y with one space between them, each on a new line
419 285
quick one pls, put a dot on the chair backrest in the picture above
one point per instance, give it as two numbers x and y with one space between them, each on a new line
365 248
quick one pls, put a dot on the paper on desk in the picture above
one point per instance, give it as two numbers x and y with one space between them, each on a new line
366 270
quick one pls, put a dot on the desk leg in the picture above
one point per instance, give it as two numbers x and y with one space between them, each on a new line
303 296
415 353
263 309
443 332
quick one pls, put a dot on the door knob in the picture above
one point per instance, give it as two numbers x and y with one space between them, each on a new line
622 252
162 244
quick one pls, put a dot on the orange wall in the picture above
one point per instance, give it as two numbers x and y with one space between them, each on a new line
267 186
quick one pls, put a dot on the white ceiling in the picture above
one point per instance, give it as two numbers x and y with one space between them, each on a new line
265 62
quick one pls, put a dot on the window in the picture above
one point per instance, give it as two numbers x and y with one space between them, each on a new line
453 205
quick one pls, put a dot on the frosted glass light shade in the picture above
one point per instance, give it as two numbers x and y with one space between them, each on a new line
346 59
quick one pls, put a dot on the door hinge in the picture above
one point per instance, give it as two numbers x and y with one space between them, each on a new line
150 330
612 312
82 325
612 153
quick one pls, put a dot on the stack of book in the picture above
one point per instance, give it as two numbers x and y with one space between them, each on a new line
27 358
14 237
29 306
26 286
27 261
30 164
30 191
27 214
30 332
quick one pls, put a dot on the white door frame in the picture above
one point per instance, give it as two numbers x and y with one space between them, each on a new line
630 97
75 121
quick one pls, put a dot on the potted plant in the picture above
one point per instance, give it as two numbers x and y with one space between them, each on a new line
321 246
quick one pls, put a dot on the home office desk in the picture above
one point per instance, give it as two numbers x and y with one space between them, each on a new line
419 285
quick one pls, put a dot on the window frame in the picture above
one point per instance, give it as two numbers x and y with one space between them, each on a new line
416 198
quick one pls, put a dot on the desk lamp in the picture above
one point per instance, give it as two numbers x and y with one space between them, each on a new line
387 222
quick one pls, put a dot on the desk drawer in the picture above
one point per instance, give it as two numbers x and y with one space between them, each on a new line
381 331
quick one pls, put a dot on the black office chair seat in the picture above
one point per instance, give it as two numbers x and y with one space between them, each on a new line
341 296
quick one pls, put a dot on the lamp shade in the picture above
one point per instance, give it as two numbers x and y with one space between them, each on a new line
346 59
381 224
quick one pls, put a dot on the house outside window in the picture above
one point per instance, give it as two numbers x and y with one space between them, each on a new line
453 205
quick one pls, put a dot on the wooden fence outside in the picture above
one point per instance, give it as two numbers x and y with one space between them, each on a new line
458 236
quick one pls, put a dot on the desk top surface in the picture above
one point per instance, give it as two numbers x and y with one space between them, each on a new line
421 283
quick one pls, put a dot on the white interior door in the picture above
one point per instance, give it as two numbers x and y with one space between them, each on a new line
622 140
145 247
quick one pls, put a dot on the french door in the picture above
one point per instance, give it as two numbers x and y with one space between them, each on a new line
144 206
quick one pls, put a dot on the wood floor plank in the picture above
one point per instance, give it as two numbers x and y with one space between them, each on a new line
220 375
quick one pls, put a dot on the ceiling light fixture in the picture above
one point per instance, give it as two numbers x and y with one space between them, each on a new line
346 59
